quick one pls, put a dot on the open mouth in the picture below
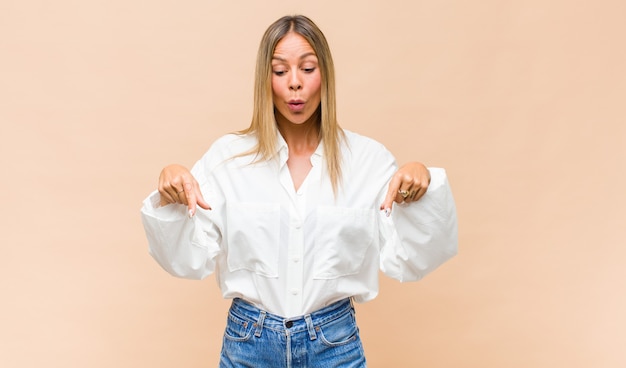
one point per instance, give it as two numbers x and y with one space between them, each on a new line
296 106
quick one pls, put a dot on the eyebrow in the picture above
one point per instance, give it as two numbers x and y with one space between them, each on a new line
301 56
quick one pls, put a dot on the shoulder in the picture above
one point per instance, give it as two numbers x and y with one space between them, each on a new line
365 147
233 144
224 149
366 162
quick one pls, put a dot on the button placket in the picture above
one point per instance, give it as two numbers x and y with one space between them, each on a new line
295 267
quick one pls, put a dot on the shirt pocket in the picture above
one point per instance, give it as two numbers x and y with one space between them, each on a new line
343 236
253 235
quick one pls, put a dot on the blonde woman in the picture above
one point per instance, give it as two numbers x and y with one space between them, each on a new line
296 216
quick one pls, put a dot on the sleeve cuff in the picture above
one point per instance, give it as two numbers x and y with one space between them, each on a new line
152 207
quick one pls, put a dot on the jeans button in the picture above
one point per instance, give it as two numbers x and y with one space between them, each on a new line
288 324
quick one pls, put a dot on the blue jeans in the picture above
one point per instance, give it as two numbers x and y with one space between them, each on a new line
327 338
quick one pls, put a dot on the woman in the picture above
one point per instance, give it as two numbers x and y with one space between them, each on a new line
296 217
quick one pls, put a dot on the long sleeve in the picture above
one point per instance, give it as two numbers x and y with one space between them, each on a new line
184 247
293 252
420 236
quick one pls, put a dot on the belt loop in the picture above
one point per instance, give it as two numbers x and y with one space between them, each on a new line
259 324
309 324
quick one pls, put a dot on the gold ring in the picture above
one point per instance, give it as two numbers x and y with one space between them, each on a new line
403 193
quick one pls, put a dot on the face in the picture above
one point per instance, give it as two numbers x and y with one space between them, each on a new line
296 80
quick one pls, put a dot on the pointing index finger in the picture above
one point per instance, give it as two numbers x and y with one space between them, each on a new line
194 198
191 198
394 186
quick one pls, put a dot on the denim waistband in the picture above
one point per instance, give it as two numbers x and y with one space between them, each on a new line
308 322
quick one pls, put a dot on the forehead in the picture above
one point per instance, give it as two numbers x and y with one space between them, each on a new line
293 45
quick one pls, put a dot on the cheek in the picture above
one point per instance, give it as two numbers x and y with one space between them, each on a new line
274 86
316 80
317 86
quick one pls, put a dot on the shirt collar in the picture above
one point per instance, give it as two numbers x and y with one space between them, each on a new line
283 151
316 157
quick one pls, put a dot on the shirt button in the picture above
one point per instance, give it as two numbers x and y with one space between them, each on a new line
294 291
296 259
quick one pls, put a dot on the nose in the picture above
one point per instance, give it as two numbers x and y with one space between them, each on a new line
294 82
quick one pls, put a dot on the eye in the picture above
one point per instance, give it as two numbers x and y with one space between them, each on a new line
309 70
279 72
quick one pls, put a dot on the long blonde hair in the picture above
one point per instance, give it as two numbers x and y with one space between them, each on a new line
263 123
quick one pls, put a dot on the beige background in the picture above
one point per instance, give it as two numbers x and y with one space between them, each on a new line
522 101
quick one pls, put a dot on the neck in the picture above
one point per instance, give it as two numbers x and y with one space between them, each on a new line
300 138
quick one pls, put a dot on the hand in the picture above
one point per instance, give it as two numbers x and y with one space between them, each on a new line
177 185
408 184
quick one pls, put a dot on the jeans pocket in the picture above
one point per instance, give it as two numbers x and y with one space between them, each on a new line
340 331
237 329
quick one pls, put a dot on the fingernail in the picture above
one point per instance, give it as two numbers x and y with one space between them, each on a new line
387 212
190 213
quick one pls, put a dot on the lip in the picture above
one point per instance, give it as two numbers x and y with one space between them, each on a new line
295 105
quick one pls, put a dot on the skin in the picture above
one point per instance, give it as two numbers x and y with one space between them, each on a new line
296 87
296 91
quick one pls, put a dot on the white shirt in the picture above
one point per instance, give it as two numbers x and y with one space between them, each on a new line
293 252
